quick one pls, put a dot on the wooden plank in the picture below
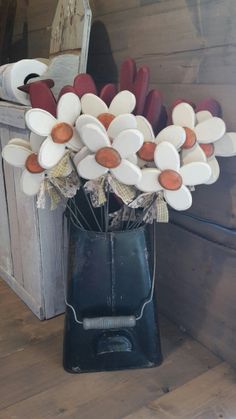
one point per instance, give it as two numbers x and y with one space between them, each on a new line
37 15
67 27
12 211
199 293
168 27
19 327
39 43
17 287
5 243
53 392
104 7
28 237
50 224
13 115
210 396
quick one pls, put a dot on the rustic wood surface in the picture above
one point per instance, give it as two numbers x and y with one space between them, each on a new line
31 245
197 287
191 382
189 45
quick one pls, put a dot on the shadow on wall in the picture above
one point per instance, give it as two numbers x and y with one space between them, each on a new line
101 65
10 52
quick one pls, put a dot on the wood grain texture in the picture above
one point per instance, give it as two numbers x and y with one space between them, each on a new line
189 46
12 218
198 291
210 396
34 246
67 27
5 243
34 384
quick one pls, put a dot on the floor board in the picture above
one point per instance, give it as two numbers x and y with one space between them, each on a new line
191 380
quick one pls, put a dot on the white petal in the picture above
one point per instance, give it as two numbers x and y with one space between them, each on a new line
195 173
193 154
145 127
88 119
50 153
215 170
128 142
174 134
88 168
39 121
30 182
21 142
149 181
203 116
127 173
123 102
184 115
15 155
68 108
120 123
36 141
133 158
84 152
75 142
94 138
210 130
93 105
226 146
180 200
166 157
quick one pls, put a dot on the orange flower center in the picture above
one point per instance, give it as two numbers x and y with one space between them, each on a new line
32 164
146 152
108 157
190 138
170 180
62 133
208 149
106 119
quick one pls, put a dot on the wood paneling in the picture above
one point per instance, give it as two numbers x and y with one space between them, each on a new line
34 385
197 288
189 45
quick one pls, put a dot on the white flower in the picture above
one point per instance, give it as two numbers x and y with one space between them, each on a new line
60 132
21 153
205 134
112 124
174 134
109 156
170 177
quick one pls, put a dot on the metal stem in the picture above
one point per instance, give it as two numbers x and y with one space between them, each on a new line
85 194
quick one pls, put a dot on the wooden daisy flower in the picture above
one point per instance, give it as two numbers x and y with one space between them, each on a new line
110 156
174 134
59 132
172 178
23 154
203 133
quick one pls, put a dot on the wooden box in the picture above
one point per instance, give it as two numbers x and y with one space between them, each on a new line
196 286
31 245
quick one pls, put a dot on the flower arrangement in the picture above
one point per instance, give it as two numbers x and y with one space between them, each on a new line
116 149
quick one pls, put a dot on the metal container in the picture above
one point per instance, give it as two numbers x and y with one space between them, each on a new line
111 320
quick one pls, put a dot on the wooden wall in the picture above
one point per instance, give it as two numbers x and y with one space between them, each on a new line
190 45
31 21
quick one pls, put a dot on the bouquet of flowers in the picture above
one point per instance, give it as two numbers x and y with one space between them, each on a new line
119 150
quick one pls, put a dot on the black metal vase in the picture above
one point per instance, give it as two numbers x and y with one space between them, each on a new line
109 280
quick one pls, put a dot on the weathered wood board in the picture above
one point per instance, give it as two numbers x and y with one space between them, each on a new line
197 288
31 259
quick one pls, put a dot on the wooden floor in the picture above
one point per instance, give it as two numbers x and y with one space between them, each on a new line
191 382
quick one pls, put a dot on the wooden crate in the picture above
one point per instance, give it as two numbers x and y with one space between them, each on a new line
197 288
31 245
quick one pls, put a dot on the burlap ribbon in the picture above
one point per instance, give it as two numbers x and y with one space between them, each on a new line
62 178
